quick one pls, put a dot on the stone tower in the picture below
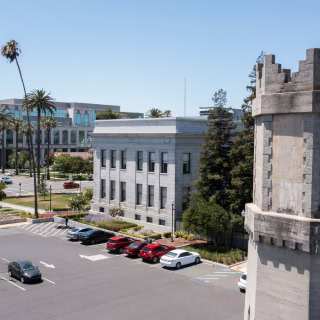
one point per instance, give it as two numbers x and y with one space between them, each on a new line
283 221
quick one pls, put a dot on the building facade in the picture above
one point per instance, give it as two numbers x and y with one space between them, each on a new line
147 167
75 123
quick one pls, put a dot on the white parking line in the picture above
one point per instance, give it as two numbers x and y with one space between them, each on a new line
48 280
201 278
58 230
13 283
65 230
52 230
45 224
50 226
35 227
3 274
24 226
29 227
5 259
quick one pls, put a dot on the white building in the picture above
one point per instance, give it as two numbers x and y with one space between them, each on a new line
147 167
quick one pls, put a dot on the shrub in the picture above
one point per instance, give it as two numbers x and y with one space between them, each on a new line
190 236
116 212
167 234
138 228
88 193
179 234
77 202
146 232
154 236
74 216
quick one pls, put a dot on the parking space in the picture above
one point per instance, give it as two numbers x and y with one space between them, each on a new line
83 282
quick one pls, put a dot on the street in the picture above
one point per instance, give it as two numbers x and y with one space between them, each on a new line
88 282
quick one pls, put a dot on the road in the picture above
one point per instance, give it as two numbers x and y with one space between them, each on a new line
27 186
87 282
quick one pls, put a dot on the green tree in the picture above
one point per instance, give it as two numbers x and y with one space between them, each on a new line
22 159
88 166
242 152
116 212
40 101
15 126
88 193
77 202
206 219
48 123
11 52
42 189
5 123
108 114
2 193
63 164
214 169
154 113
167 113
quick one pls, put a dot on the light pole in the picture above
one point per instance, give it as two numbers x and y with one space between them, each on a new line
20 190
50 189
242 215
172 217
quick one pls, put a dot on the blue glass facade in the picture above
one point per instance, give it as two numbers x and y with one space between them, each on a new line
78 119
93 117
86 120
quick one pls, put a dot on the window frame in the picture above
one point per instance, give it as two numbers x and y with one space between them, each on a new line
112 189
103 188
163 204
123 191
123 159
186 164
151 163
150 195
139 161
164 163
139 194
113 159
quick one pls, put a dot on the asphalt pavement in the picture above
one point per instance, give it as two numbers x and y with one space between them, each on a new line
88 282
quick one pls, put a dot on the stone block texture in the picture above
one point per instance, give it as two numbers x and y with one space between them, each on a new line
283 221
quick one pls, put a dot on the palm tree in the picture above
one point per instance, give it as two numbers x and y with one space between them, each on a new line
154 113
5 122
11 52
43 103
166 113
108 114
48 123
25 130
15 126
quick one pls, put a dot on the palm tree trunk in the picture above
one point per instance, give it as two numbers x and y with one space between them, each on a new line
48 158
30 160
17 133
36 215
3 153
38 145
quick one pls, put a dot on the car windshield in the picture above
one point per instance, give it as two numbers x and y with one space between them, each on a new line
134 245
89 232
74 229
171 254
112 241
146 249
28 266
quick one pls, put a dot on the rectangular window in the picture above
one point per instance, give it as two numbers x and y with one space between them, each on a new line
163 194
103 188
137 217
93 117
103 158
185 197
150 196
65 137
46 136
123 159
81 138
73 137
186 162
113 158
162 222
121 214
89 139
123 192
9 137
112 189
56 137
152 161
78 119
164 162
139 160
17 113
149 219
101 209
86 120
139 194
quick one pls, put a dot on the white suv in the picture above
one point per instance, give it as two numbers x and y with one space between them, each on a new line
242 284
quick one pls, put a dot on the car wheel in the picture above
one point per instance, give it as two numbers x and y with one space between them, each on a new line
155 259
9 273
178 265
197 260
121 250
92 241
22 279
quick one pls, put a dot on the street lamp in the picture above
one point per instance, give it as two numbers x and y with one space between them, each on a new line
242 215
172 222
20 190
50 189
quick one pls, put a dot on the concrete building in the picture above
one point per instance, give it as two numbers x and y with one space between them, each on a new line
145 166
75 123
283 221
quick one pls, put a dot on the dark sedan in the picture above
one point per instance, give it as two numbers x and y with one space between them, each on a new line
95 236
134 248
24 270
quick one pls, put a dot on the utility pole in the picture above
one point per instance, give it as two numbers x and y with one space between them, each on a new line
185 97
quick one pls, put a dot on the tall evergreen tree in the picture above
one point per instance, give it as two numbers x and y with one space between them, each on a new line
214 170
242 153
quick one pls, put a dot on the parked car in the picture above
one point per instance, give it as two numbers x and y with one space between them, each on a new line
70 185
75 233
94 236
242 283
155 251
9 173
134 248
118 243
177 258
6 180
24 270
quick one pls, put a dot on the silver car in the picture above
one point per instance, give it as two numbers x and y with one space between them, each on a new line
74 233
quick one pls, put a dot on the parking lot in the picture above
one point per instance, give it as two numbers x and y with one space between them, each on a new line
87 282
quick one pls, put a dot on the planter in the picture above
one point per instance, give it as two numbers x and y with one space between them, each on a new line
13 221
40 220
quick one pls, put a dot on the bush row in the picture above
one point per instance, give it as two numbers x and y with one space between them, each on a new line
187 236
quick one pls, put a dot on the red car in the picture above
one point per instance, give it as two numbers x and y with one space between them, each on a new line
134 248
70 185
118 243
154 251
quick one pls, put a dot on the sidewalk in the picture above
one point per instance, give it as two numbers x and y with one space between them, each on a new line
15 206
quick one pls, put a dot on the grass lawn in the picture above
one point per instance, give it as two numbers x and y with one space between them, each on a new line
220 255
57 201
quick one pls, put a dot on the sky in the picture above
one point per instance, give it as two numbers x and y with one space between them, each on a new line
137 53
